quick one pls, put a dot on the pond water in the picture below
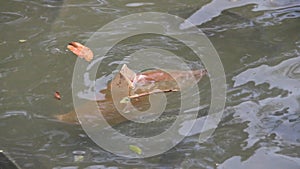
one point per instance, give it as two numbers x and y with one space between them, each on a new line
258 43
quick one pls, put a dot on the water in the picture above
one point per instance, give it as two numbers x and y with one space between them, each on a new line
258 43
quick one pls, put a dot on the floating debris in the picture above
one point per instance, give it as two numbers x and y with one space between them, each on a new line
135 149
81 51
57 95
130 87
22 40
78 155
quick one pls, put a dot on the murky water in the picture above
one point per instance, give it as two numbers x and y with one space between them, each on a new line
258 43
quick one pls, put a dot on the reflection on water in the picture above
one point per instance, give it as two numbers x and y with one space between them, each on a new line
263 158
258 42
216 7
272 115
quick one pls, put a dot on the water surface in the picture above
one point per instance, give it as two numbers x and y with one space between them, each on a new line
258 43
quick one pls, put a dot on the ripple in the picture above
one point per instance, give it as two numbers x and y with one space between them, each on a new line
276 17
139 4
216 7
14 113
294 71
7 71
60 4
277 76
263 158
274 114
100 10
100 167
12 18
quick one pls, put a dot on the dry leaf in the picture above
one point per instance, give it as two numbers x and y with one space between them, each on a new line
129 87
81 51
154 81
57 95
159 81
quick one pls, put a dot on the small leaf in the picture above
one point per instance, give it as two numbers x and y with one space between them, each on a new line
22 40
78 158
135 149
57 95
81 51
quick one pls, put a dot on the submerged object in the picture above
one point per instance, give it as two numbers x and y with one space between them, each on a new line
129 91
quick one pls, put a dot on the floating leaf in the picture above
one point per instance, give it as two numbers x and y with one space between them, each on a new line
22 40
135 149
78 156
57 95
81 51
128 86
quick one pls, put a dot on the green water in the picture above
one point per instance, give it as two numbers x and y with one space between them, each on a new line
258 44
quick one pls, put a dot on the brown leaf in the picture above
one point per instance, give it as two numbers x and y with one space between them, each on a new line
130 87
159 81
81 51
57 95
